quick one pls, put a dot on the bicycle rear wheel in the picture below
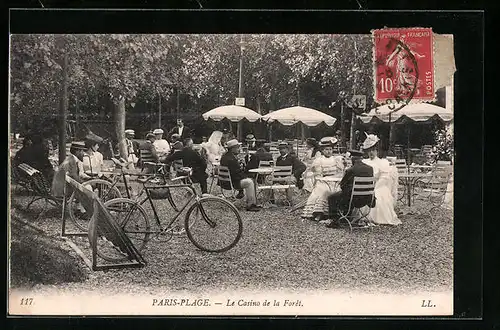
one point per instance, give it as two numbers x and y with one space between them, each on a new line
105 190
213 224
132 218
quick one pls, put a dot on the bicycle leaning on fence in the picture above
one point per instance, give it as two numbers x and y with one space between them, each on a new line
211 223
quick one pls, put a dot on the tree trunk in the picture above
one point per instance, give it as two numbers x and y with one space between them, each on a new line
159 110
177 100
353 130
63 112
120 126
342 125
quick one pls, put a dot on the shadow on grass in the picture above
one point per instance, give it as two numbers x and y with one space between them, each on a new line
39 259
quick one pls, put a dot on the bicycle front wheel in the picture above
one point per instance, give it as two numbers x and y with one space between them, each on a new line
213 224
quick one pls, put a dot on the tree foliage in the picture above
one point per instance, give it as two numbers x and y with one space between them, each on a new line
278 70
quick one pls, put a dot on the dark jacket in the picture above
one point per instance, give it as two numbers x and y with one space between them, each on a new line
186 132
233 164
190 158
149 146
298 167
254 161
37 157
358 169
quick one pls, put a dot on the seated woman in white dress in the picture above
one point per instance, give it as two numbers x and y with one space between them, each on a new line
325 165
93 160
385 184
313 152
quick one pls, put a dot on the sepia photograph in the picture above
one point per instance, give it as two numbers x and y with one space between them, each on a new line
231 174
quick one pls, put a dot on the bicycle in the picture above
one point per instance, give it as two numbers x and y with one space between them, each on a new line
108 190
203 218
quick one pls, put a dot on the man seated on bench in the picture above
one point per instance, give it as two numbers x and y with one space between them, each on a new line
73 167
238 177
340 200
191 158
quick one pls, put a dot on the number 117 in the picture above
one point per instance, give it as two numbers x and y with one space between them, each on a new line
26 301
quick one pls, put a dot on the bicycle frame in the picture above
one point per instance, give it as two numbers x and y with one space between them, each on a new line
157 218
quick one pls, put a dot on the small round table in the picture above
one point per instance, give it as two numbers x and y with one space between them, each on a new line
263 171
329 180
409 181
421 167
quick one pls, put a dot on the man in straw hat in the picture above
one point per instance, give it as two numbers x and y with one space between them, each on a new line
132 146
340 199
238 177
161 145
73 166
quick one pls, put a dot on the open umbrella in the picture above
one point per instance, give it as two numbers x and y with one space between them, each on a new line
234 113
417 112
298 114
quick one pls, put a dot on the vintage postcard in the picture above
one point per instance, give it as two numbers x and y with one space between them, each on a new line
224 174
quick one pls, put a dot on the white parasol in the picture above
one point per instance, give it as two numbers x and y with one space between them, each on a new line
416 111
298 114
234 113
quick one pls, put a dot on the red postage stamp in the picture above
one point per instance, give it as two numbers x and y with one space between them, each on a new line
403 65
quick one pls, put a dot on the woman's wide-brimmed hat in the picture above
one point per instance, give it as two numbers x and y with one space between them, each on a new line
328 141
93 138
370 141
78 145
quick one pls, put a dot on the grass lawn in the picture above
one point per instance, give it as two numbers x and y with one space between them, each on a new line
278 251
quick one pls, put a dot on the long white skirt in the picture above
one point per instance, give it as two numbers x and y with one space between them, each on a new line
318 200
383 213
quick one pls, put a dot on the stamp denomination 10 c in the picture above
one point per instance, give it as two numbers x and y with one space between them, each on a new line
403 65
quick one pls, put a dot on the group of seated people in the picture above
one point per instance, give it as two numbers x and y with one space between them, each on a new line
325 199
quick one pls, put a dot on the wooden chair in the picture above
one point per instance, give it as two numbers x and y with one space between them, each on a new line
431 192
402 168
281 181
214 173
224 177
362 186
149 164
